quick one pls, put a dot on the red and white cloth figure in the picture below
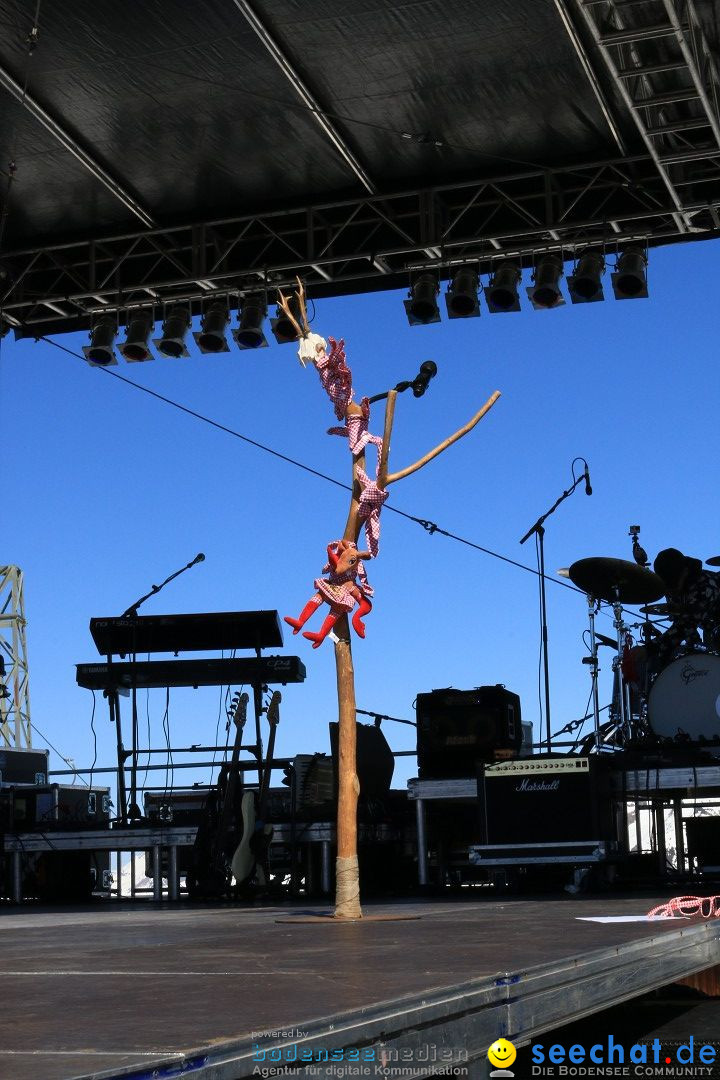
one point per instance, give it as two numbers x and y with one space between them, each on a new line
340 590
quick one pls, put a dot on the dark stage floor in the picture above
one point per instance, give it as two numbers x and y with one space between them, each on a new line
119 990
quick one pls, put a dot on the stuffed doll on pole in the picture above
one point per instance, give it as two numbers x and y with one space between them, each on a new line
340 590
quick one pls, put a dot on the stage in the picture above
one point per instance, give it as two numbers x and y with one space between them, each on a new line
142 990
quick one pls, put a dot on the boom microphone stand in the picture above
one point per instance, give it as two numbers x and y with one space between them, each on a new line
540 531
133 811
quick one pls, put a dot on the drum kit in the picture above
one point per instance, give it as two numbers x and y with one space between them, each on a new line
676 703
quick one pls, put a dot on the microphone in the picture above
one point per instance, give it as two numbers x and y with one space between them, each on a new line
198 558
428 371
588 489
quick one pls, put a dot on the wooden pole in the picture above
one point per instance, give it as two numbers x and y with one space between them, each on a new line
347 875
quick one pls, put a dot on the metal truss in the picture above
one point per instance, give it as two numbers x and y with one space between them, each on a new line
15 729
664 71
362 244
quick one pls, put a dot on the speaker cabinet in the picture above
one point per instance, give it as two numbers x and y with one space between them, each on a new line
457 730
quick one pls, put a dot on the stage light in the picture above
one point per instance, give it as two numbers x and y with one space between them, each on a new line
502 291
629 281
421 306
281 326
462 295
545 292
249 333
102 338
135 348
174 332
585 284
211 338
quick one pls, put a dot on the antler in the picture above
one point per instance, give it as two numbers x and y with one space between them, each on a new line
301 303
301 330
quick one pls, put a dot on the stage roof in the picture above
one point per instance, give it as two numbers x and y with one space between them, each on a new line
166 151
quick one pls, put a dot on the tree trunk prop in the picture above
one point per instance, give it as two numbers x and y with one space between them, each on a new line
312 349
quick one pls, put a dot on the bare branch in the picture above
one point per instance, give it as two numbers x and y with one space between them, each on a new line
385 454
447 442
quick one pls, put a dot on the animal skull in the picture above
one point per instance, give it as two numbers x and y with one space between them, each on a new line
311 348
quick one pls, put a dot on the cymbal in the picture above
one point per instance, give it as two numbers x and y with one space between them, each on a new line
714 561
659 609
616 579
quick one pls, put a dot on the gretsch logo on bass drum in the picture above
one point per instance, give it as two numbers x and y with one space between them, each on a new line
538 785
690 673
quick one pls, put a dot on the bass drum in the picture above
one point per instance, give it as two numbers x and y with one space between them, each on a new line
684 701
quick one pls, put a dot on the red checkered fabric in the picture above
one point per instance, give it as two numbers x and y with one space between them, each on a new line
369 507
336 376
356 430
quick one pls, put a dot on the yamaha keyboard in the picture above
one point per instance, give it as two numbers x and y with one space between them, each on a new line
150 674
127 635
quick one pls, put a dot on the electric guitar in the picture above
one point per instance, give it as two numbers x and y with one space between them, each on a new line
250 858
225 809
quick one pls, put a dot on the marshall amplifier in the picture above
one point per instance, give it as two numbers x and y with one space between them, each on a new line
459 729
545 800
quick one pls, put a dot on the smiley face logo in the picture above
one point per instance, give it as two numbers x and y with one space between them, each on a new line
502 1053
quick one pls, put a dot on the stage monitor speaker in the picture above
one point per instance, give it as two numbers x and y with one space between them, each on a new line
459 729
375 760
545 801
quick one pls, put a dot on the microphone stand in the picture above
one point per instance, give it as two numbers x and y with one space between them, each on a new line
133 609
540 531
133 810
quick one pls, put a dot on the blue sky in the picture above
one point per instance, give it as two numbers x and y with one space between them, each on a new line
107 491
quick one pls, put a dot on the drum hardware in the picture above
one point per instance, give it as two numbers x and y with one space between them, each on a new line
619 582
592 662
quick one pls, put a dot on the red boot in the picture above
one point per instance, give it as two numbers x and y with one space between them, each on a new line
317 639
309 609
359 625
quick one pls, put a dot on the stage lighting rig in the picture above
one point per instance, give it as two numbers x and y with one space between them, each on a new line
252 311
461 298
501 293
421 305
136 346
211 337
545 292
585 283
102 338
629 281
174 332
